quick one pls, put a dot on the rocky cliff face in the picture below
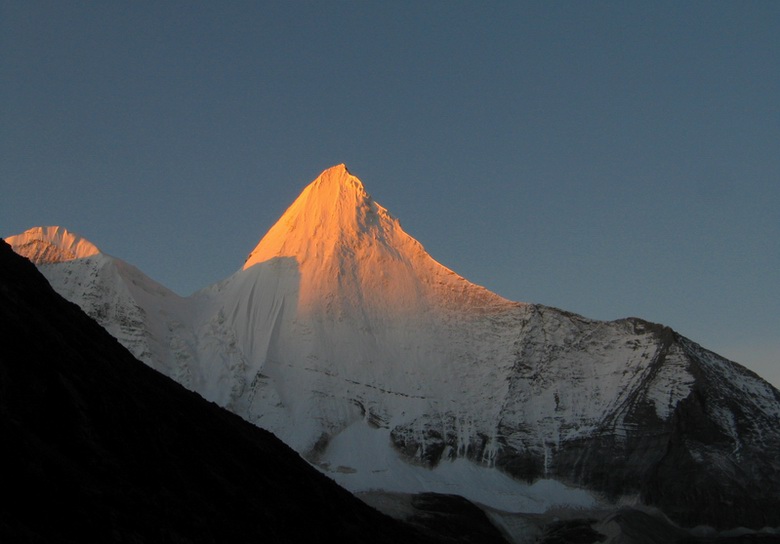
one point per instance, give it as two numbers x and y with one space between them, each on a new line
720 466
627 408
339 325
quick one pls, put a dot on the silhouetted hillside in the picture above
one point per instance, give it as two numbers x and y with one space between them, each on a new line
99 447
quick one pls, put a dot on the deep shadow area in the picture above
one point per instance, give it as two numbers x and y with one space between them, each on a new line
99 447
454 517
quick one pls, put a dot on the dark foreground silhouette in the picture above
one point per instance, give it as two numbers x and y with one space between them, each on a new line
99 447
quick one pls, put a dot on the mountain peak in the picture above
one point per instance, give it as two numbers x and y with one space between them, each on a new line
338 169
52 244
338 180
333 209
348 248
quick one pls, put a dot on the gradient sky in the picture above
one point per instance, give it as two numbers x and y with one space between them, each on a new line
610 158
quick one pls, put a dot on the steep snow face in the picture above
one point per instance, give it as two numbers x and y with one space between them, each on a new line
44 245
340 315
352 255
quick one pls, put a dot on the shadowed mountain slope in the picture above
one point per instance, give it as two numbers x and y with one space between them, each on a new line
99 447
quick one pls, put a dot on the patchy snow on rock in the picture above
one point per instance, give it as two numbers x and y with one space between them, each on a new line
376 466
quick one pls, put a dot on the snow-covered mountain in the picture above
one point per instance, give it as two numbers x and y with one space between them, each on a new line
141 313
389 371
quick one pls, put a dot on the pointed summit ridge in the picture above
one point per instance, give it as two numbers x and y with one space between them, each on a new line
44 245
349 248
333 211
336 185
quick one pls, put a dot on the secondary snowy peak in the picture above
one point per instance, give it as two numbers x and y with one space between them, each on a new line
128 304
44 245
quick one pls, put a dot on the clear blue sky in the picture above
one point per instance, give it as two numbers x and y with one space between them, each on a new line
609 158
